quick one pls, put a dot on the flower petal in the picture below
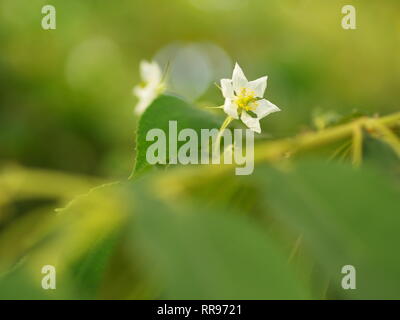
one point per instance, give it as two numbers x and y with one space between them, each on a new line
264 108
142 105
231 108
239 80
150 72
258 86
252 123
137 91
145 96
140 91
226 88
144 102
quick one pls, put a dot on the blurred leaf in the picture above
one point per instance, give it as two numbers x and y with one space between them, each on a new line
211 255
19 284
88 272
347 217
79 242
158 115
34 225
381 155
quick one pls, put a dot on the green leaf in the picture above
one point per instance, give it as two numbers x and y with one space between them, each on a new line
346 217
159 113
23 284
381 155
88 272
211 254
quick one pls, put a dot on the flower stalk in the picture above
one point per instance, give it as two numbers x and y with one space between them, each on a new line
357 146
224 125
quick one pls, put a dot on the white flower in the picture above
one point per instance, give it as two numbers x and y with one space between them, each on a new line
151 87
244 99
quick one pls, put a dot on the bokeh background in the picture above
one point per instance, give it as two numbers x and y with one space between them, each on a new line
67 126
66 98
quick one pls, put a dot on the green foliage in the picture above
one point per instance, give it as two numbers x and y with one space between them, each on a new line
345 217
317 200
158 114
381 156
88 272
284 232
211 254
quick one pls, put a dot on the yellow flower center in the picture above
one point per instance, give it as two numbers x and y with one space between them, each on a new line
246 100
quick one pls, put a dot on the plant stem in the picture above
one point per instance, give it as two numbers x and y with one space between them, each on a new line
357 146
224 125
274 150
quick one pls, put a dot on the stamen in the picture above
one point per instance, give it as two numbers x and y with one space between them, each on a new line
246 100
